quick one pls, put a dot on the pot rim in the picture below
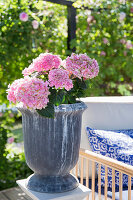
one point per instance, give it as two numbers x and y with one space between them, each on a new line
61 108
70 107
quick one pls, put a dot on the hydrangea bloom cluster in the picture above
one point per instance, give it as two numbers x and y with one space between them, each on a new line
60 79
23 16
44 62
28 70
32 92
103 53
35 24
10 140
82 66
129 44
12 90
105 41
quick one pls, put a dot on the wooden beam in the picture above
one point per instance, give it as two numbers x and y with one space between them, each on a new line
61 2
3 197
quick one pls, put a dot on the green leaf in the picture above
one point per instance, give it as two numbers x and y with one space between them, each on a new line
80 93
60 97
47 112
71 99
52 96
81 84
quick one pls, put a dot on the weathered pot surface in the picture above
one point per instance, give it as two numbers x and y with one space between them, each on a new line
52 147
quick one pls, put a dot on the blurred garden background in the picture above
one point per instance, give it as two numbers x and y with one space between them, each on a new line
104 30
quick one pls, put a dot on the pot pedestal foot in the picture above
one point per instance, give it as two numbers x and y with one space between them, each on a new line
51 184
77 194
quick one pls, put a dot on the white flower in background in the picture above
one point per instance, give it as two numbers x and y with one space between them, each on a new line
35 24
122 16
122 1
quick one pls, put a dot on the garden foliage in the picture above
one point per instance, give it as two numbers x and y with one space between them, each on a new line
105 34
12 164
20 42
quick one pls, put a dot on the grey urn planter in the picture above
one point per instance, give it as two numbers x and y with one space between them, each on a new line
52 147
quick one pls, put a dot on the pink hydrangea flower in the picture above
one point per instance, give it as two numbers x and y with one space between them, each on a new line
23 16
131 10
90 19
28 70
105 41
10 140
11 115
82 66
32 92
123 41
35 24
60 79
122 16
12 89
129 44
122 1
1 114
103 53
125 53
44 62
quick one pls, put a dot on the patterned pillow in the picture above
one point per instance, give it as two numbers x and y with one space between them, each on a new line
115 144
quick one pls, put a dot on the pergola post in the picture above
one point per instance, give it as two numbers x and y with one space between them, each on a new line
71 21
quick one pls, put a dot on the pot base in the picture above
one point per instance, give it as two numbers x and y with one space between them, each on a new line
51 184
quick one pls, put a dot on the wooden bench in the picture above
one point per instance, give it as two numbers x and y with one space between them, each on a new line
13 194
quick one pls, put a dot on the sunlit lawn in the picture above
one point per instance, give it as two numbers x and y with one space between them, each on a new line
16 147
17 132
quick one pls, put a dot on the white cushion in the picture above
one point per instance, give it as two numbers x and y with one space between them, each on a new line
109 113
106 113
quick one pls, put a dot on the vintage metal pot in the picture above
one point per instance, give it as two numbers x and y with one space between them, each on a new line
52 147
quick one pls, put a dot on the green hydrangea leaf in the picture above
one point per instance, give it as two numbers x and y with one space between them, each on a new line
60 97
47 112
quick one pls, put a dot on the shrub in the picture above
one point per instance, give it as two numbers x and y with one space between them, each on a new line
13 169
12 165
106 34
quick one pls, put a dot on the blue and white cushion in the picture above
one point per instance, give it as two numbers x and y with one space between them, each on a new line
115 144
